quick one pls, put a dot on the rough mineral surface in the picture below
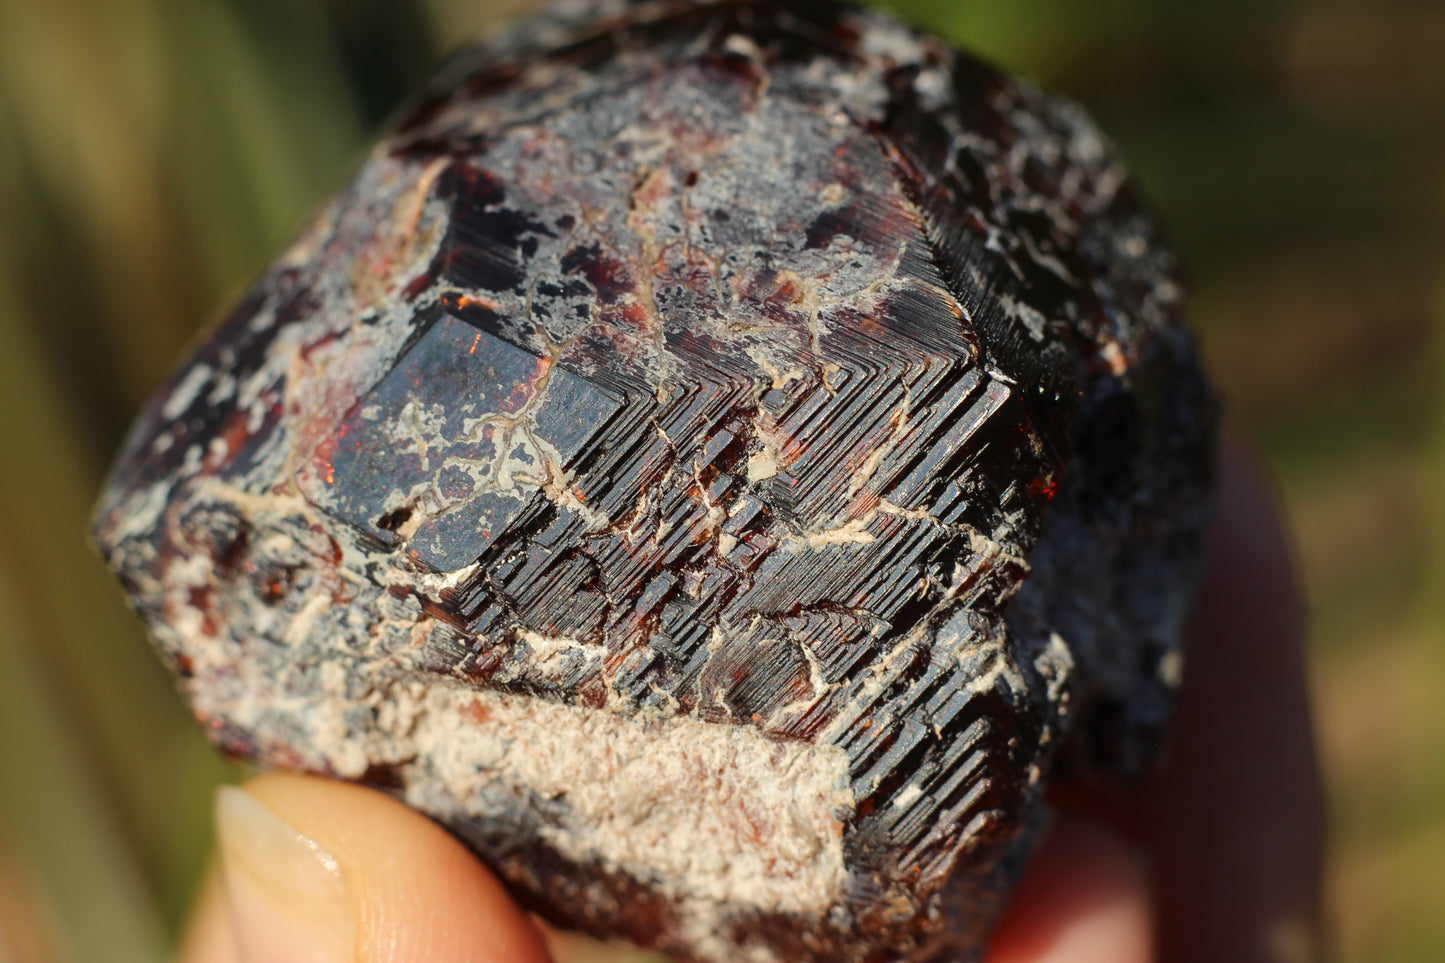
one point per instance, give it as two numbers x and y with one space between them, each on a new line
718 459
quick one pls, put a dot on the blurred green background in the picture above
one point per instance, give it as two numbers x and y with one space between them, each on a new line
155 153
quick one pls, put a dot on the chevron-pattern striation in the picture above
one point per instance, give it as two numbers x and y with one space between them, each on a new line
718 458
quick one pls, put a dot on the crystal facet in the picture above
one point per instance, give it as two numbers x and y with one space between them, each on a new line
717 458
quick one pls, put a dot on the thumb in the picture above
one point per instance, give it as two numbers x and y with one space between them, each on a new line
317 871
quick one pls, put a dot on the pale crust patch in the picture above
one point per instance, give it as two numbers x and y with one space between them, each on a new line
715 813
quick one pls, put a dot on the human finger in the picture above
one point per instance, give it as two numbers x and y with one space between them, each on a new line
209 936
1084 899
1233 820
317 871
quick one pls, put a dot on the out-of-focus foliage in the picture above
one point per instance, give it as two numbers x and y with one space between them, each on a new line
155 153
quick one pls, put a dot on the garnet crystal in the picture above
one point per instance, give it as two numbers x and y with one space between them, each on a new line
718 459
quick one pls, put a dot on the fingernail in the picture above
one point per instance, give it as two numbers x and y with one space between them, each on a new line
287 895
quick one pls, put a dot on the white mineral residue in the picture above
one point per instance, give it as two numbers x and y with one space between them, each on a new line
714 813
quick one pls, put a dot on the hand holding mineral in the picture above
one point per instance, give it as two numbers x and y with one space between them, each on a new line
1214 859
721 460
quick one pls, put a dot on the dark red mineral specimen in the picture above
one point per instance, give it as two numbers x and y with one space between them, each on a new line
718 459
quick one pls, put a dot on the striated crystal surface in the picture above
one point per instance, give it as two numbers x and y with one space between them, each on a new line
717 458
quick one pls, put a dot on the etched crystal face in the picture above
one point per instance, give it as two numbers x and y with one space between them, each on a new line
456 442
711 459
